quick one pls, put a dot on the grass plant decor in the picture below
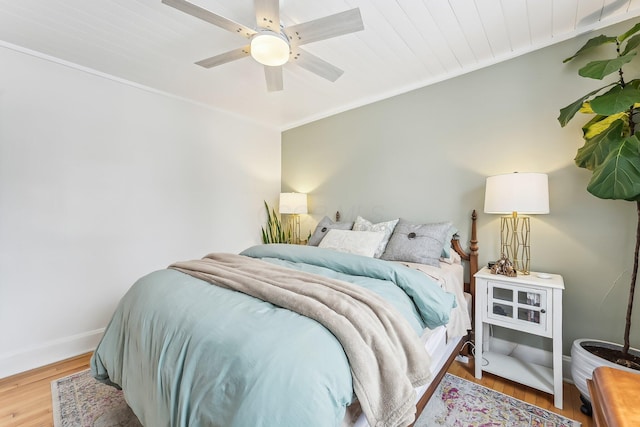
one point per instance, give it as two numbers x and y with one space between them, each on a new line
274 232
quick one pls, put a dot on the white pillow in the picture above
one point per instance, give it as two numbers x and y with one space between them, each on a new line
354 242
387 227
454 258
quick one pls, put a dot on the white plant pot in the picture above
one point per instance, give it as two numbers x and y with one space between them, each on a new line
583 363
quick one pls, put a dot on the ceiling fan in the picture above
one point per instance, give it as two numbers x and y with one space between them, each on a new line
273 44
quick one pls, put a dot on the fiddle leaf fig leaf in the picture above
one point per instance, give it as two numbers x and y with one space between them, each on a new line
629 33
632 44
596 41
600 69
586 108
618 176
599 124
635 83
616 100
567 113
596 149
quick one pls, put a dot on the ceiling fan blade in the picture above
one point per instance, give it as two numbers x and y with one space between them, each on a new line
268 14
210 17
325 28
273 75
316 65
223 58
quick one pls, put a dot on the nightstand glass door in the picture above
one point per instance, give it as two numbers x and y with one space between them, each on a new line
527 300
502 301
517 305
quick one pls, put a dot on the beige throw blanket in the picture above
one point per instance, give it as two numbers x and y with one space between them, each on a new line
385 355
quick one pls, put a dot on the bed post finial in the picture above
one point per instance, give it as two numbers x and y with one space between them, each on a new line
473 253
474 237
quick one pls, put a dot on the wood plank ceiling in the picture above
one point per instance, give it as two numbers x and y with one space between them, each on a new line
406 44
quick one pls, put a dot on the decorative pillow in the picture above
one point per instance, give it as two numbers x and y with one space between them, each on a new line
354 242
421 243
362 224
446 250
453 259
324 226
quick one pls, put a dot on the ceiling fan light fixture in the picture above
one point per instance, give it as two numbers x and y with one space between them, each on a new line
270 48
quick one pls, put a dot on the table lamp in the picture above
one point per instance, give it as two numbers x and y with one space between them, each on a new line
514 194
293 204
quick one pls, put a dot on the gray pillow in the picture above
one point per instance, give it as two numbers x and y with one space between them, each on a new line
421 243
324 226
446 250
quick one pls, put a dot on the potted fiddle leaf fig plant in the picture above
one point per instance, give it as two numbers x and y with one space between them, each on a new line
611 151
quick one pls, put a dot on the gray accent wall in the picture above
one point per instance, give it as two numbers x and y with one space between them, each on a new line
424 156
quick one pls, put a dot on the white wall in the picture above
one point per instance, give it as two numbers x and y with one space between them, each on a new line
102 182
425 155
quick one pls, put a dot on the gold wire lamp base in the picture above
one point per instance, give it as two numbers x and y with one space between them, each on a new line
294 228
514 241
293 204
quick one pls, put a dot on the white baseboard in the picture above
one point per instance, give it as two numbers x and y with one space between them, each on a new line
566 369
48 352
531 354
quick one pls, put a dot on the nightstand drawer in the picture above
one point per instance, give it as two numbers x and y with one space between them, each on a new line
524 308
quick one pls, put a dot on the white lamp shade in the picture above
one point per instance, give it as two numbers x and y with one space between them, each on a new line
526 193
293 203
269 48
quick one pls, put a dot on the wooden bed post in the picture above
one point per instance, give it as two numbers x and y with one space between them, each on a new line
473 269
471 256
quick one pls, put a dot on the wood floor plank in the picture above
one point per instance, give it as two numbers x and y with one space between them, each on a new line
544 400
577 403
518 393
499 384
530 396
509 388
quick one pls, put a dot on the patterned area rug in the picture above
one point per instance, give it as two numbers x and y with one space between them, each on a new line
461 403
81 401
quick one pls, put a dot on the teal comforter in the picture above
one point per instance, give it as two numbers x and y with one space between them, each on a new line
187 353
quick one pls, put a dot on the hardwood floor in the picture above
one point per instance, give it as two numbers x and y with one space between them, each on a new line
25 399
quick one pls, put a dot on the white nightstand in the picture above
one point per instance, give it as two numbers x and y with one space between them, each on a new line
528 303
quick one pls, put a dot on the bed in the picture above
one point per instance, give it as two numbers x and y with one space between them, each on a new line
289 335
